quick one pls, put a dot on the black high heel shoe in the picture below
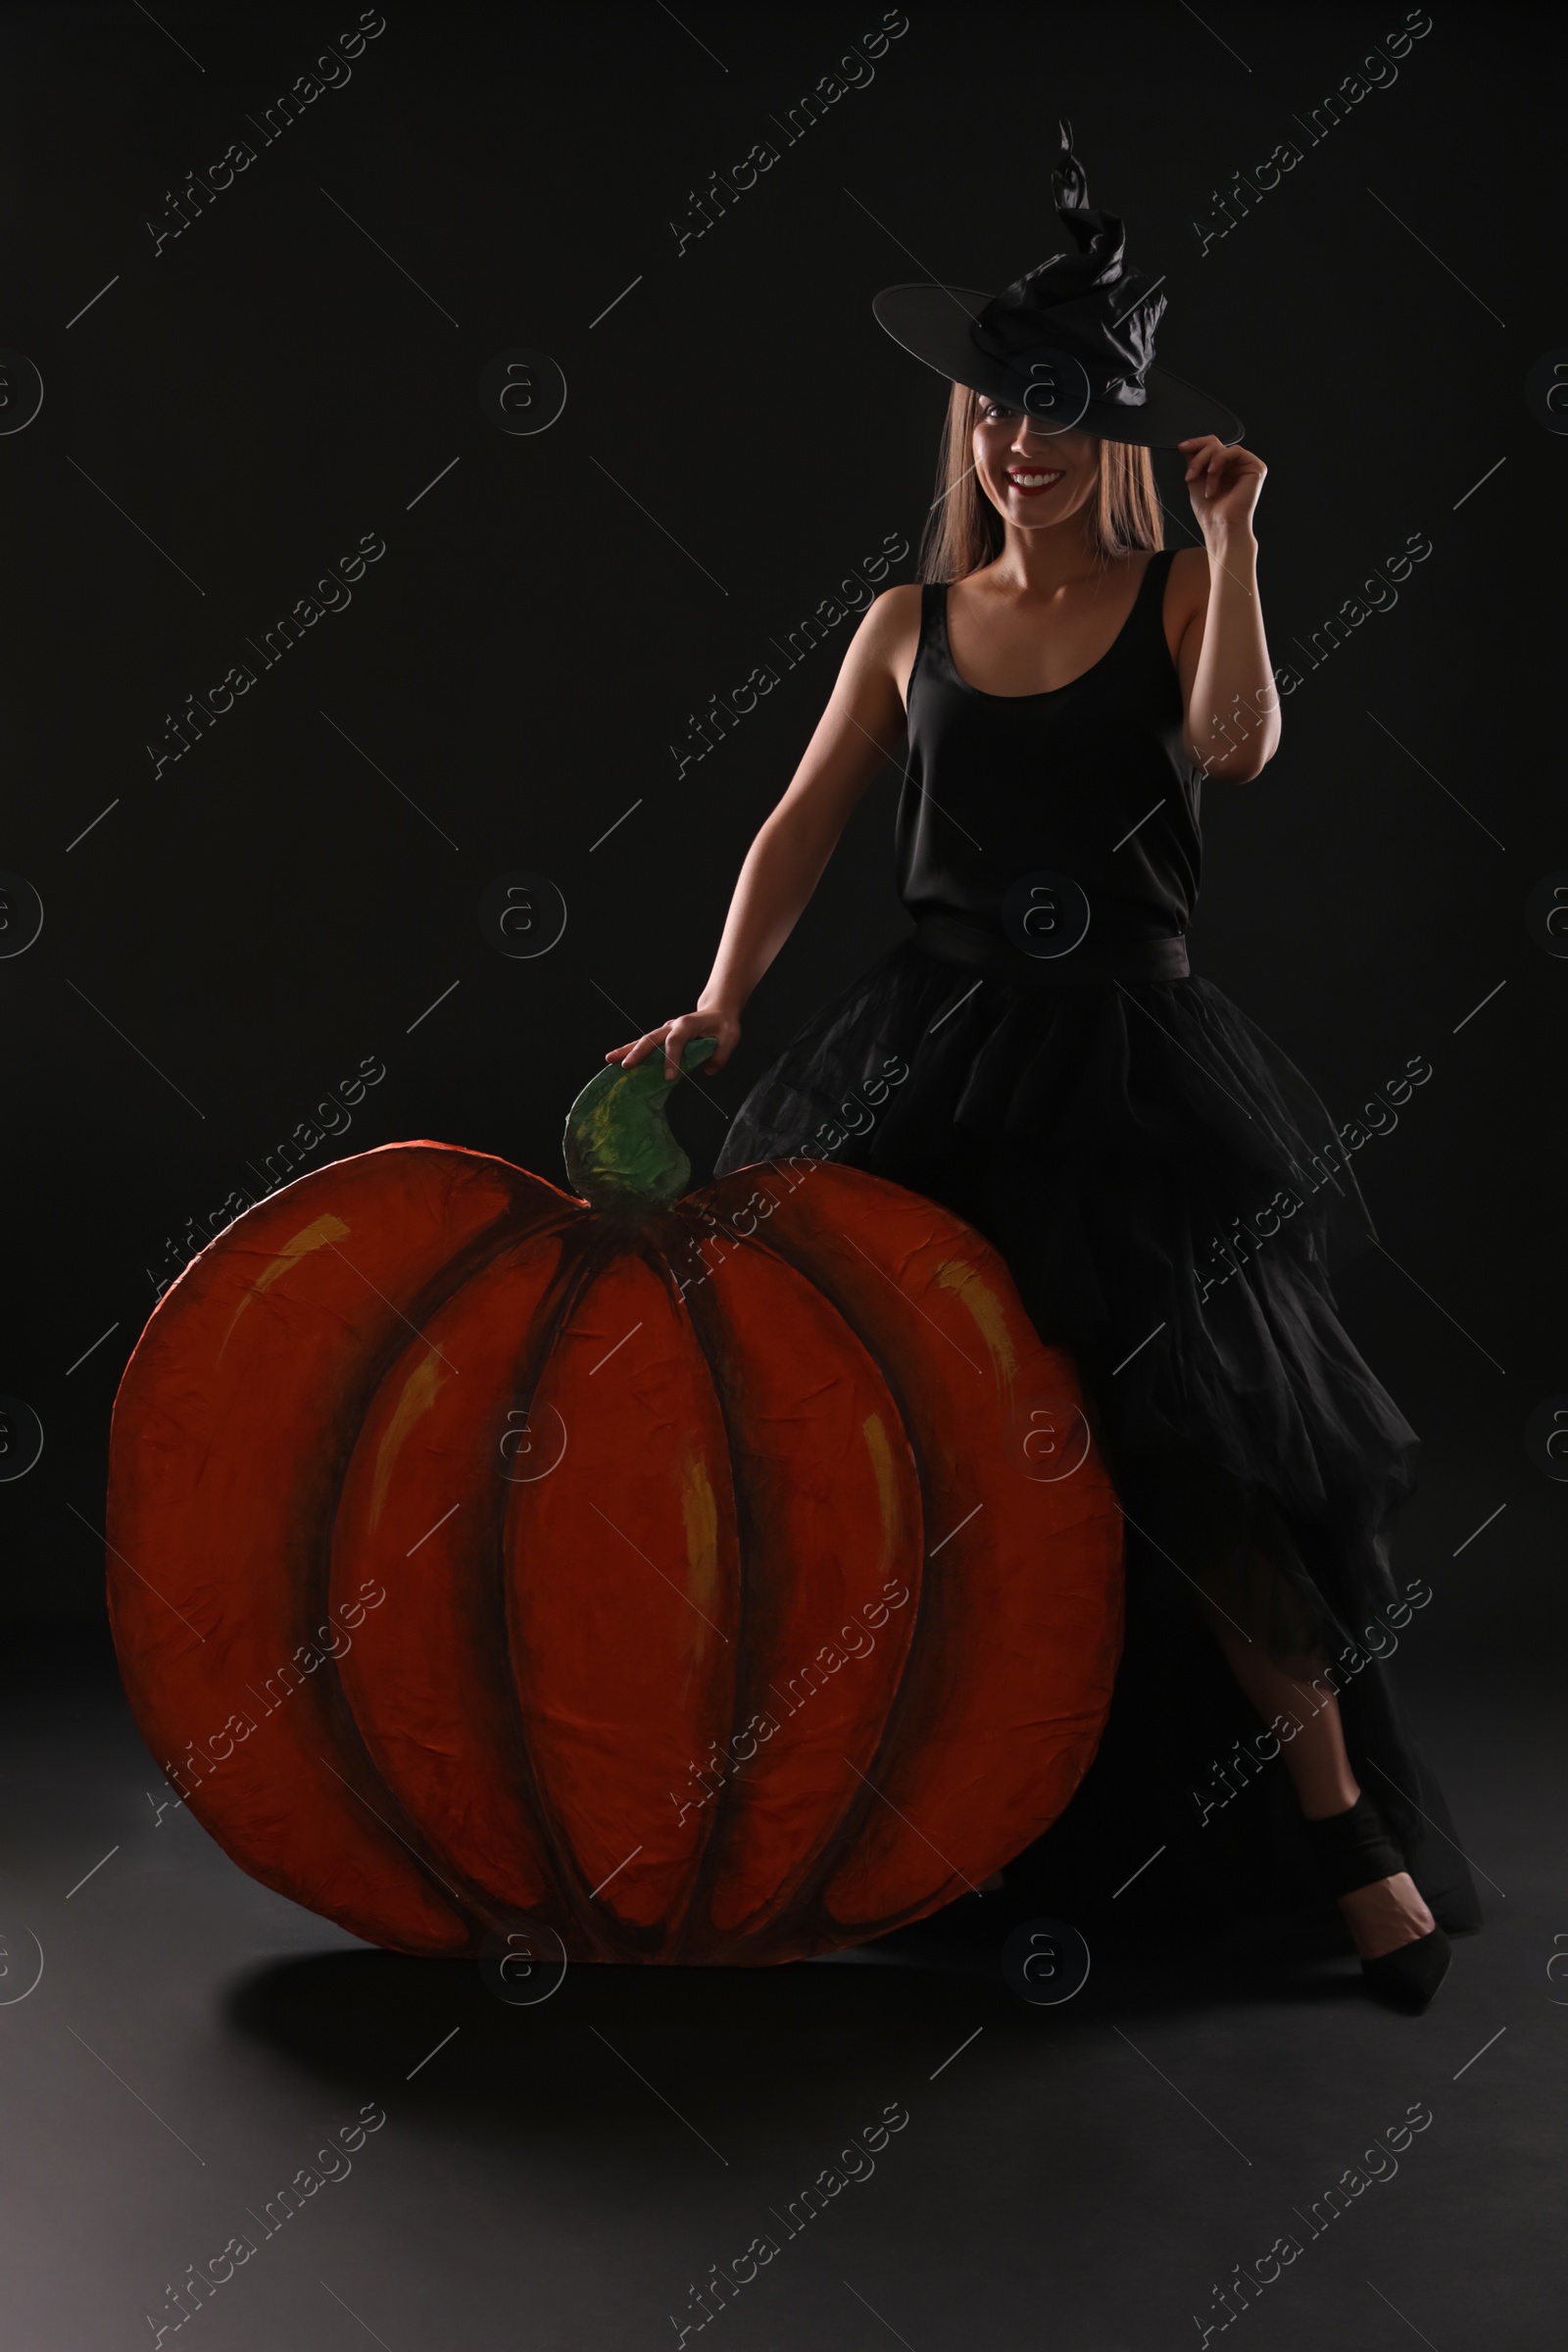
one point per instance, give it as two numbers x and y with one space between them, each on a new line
1354 1850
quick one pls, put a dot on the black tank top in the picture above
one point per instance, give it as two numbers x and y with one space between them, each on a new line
1088 780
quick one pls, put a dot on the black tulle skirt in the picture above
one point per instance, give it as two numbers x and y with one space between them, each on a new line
1172 1198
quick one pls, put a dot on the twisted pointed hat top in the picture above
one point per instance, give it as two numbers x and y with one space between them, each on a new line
1071 341
1088 302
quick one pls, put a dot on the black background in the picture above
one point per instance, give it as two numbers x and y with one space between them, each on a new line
224 944
269 386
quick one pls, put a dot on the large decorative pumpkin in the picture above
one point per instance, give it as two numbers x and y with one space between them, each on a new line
692 1573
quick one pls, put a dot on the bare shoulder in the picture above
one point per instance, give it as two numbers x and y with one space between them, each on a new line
889 636
894 610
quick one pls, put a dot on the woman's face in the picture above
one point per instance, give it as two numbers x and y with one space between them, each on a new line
1032 477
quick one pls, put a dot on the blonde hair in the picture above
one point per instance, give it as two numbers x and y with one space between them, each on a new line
963 529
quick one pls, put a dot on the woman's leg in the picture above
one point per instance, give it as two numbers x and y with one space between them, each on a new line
1271 1637
1391 1912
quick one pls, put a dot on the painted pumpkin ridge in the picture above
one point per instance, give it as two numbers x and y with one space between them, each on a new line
797 1908
861 1794
508 1234
619 1938
573 1281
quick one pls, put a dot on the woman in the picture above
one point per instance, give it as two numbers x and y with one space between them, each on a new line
1113 1123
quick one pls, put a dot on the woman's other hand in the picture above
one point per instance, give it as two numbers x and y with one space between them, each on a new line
1223 484
675 1036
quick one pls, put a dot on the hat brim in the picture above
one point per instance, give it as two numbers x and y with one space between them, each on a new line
932 322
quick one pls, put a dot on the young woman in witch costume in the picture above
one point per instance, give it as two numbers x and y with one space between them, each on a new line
1112 1122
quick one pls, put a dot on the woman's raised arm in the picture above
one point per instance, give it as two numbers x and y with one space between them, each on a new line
1233 707
860 728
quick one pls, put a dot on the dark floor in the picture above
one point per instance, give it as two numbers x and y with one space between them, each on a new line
562 2175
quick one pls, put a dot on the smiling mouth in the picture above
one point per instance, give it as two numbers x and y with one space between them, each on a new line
1032 485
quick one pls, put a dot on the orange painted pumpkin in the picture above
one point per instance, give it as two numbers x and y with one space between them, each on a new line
668 1568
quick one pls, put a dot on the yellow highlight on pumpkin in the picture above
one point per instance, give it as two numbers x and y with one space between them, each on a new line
310 1236
982 1303
699 1511
880 1449
419 1393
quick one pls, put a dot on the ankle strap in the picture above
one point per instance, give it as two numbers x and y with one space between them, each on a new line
1353 1849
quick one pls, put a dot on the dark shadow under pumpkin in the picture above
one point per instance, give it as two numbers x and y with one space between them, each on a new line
722 2043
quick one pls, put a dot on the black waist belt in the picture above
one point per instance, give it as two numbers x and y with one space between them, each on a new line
964 939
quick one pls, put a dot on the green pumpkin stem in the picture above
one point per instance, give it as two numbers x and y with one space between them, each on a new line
620 1155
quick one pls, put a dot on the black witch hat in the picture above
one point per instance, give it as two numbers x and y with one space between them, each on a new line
1071 342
